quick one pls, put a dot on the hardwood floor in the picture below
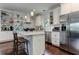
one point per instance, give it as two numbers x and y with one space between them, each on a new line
53 50
49 50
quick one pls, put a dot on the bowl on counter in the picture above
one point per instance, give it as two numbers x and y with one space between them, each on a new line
29 29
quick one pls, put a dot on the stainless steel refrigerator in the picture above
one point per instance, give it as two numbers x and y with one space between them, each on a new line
72 29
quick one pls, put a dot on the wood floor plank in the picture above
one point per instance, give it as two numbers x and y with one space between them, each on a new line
52 50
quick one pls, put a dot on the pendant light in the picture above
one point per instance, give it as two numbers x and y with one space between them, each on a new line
32 12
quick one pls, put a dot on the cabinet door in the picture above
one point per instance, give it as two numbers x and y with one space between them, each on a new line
55 38
55 42
55 35
56 13
38 44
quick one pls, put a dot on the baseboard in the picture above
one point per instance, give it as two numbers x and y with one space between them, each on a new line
6 42
48 42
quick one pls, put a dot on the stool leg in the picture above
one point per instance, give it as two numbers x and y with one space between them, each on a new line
27 48
15 47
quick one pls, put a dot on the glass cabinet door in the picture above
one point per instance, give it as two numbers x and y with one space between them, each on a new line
6 21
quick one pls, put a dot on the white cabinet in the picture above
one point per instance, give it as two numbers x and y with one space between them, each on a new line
58 38
69 7
38 44
56 14
55 38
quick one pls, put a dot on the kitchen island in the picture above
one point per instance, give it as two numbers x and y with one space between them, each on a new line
36 40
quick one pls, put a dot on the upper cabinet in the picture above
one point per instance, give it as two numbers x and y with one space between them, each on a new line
51 17
56 14
6 21
69 8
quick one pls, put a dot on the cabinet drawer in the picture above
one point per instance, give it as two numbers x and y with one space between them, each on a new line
55 35
55 42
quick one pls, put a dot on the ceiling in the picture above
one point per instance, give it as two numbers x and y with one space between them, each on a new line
27 7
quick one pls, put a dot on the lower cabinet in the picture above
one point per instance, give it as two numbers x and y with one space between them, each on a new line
58 38
36 45
55 38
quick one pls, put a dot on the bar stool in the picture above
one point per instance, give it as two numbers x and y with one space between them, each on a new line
19 44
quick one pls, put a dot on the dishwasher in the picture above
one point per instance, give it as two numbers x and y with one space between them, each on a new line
48 36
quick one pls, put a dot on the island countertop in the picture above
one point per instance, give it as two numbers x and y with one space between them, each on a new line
36 45
30 32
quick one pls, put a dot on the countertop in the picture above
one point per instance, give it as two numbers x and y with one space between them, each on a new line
30 33
8 35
